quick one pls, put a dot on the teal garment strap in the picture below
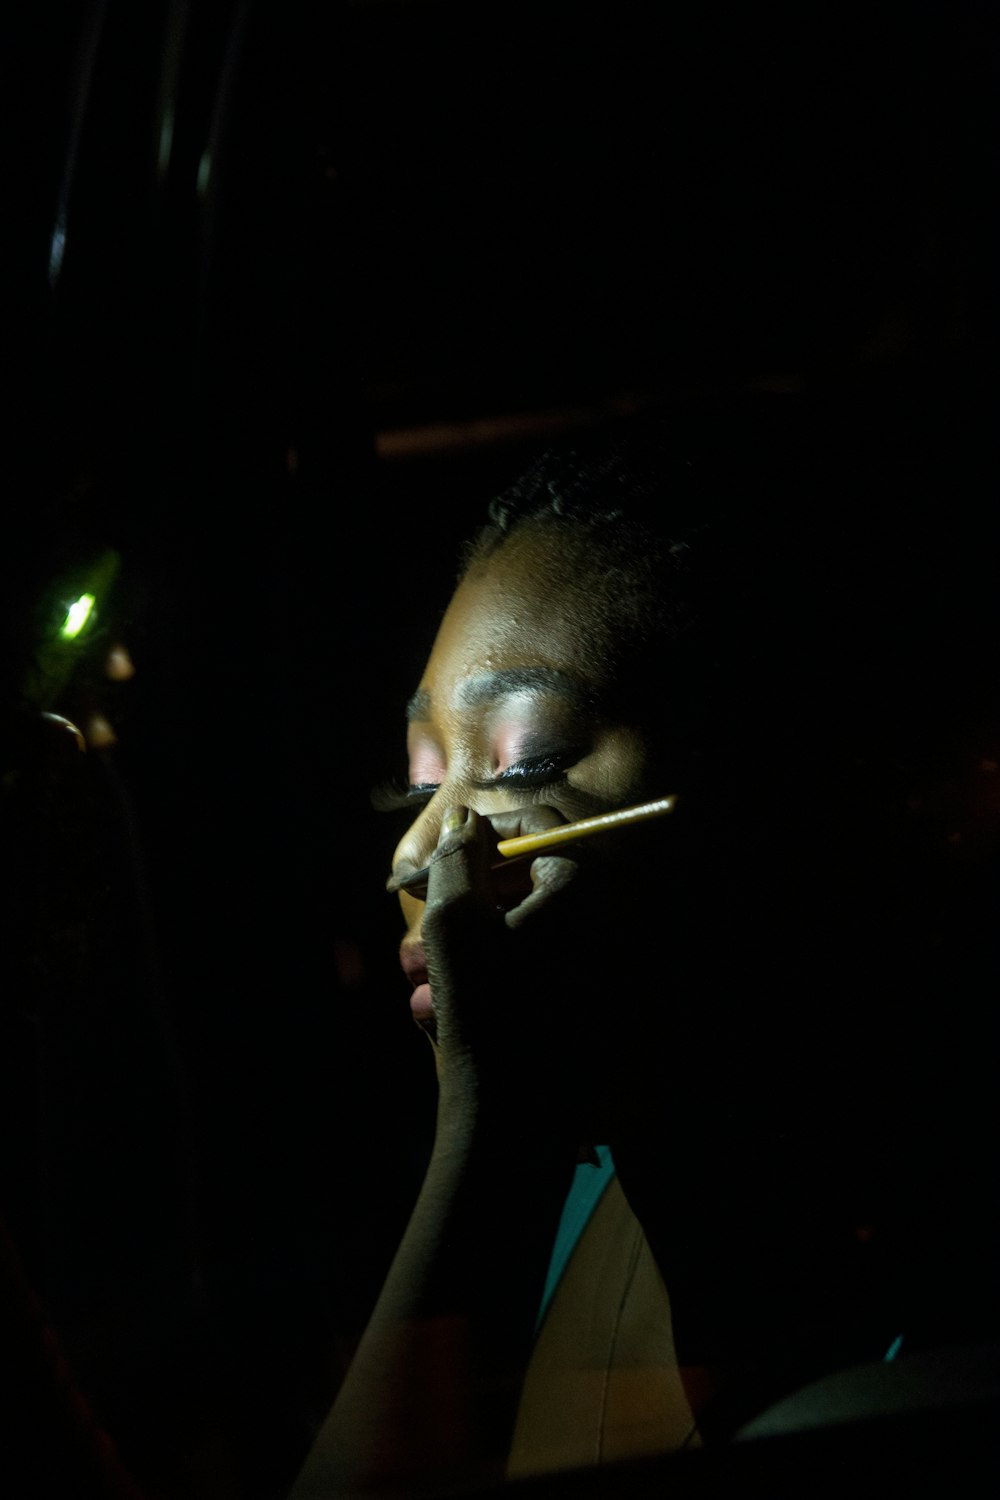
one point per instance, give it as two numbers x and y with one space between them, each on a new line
586 1189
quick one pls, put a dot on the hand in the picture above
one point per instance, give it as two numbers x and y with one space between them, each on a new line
513 1029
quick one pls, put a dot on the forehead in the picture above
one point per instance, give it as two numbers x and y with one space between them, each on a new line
526 619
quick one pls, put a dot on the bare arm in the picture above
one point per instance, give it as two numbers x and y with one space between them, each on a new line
432 1392
431 1395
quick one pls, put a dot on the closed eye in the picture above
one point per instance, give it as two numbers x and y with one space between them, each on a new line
537 772
534 773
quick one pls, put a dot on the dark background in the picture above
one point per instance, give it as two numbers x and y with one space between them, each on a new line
294 289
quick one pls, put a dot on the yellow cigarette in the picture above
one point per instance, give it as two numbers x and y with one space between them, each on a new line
566 833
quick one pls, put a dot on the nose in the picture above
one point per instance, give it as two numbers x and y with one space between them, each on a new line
410 862
414 850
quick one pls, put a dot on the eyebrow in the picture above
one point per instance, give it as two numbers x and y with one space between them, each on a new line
419 706
487 685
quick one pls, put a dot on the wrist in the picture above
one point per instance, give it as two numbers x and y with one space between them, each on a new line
489 1133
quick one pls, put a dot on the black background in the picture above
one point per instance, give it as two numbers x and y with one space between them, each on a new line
328 273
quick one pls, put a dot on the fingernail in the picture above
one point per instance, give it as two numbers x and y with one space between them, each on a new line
452 822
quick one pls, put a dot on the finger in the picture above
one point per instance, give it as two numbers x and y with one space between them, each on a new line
551 875
535 819
459 867
454 832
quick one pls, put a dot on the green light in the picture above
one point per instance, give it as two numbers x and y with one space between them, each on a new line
77 616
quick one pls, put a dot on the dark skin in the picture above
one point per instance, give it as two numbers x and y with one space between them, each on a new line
520 965
700 994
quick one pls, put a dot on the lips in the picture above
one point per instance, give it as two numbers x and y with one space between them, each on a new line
414 964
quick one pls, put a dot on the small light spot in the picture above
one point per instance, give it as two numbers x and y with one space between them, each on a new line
989 765
100 735
119 666
57 250
77 615
204 174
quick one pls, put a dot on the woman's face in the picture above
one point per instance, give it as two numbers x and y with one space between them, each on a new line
508 713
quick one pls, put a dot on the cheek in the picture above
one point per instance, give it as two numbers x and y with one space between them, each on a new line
617 770
413 912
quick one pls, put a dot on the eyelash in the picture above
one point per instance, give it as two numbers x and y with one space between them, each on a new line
393 796
534 775
542 771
